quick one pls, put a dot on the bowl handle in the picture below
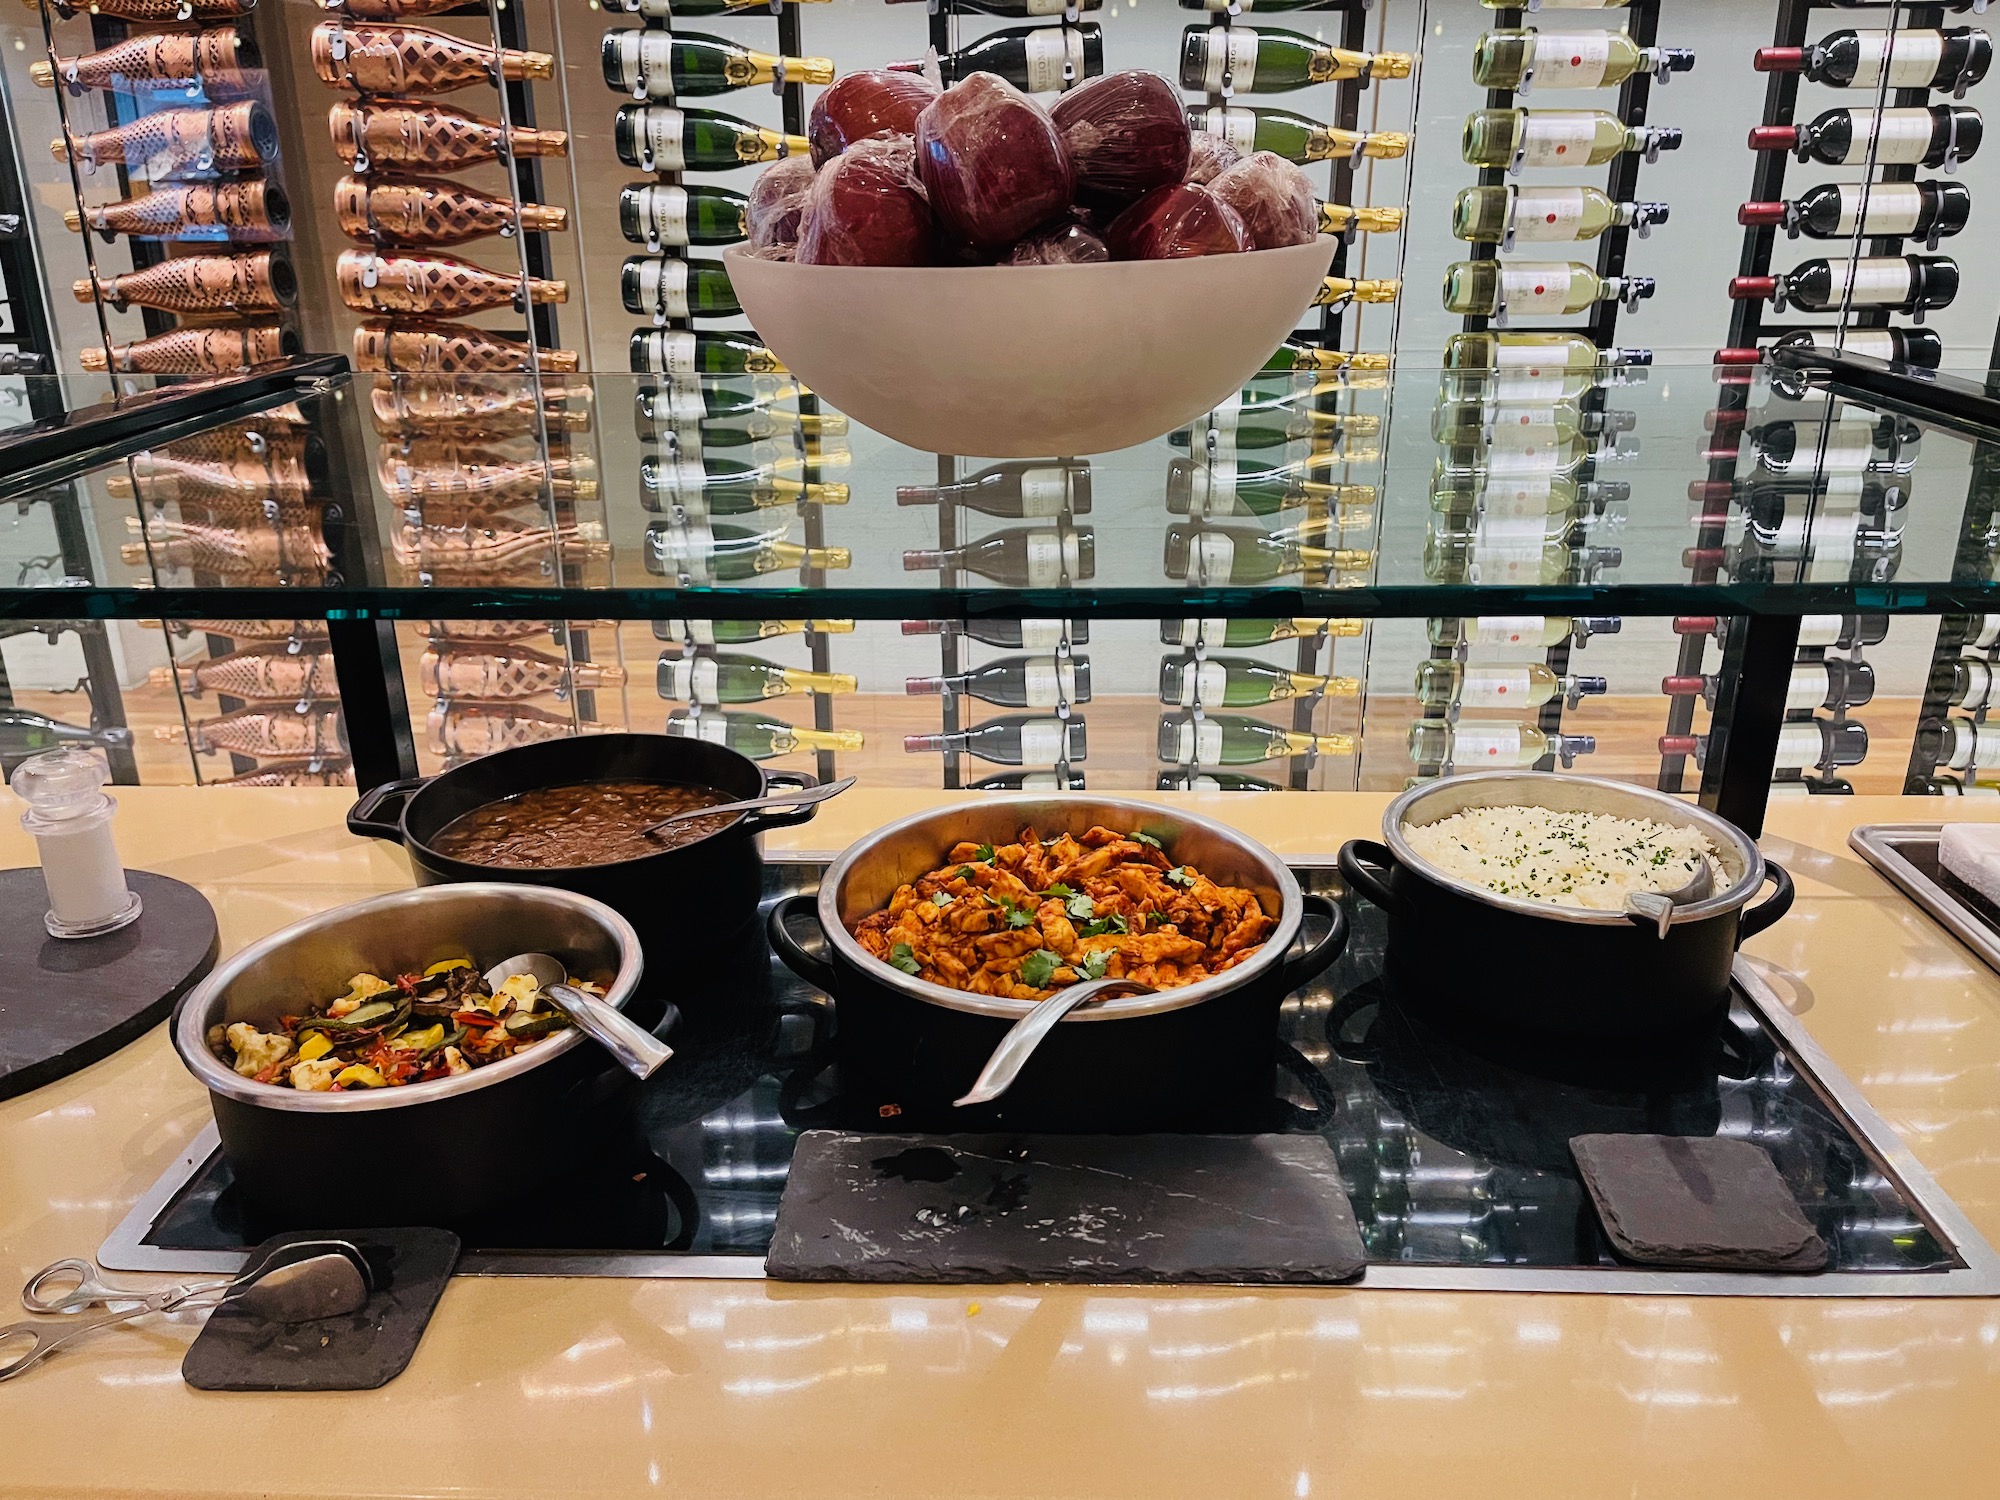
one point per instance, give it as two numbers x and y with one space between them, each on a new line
1298 968
1360 877
1769 910
379 813
781 817
814 968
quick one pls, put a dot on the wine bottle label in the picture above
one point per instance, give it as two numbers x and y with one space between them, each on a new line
1200 743
1212 487
1507 630
675 477
1846 449
1808 687
1544 214
1042 742
674 352
1044 492
1232 50
1208 684
1513 495
660 132
1913 59
663 287
1224 417
1046 51
698 632
1510 464
1988 634
1834 540
1877 281
664 213
1045 559
1978 685
1041 635
1523 429
1496 687
1536 385
711 727
1493 744
1893 208
1557 138
1571 59
1215 558
1821 630
1236 126
645 63
1530 289
1044 684
1904 136
1510 560
1800 746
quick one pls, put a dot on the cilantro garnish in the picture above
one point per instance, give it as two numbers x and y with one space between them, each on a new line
1096 962
1180 878
904 957
1080 908
963 872
1060 891
1038 968
1147 838
942 899
1113 923
984 853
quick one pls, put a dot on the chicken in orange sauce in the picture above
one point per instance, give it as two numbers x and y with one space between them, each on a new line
1030 917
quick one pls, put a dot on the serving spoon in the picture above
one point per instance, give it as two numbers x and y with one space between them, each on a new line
640 1052
805 796
1026 1034
1656 908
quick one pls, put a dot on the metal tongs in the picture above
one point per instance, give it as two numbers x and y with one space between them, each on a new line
1656 908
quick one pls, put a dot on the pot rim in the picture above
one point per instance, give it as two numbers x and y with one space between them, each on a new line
1267 957
1519 787
191 1016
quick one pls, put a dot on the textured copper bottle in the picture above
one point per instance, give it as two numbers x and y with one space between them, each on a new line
397 10
252 442
476 554
391 59
310 729
200 284
476 481
517 672
465 729
195 351
287 553
396 282
475 410
166 59
243 208
153 12
483 633
170 478
372 133
235 138
331 770
310 634
429 212
275 671
450 349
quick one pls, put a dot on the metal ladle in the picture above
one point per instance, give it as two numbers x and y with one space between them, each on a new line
800 797
1656 908
640 1052
1026 1034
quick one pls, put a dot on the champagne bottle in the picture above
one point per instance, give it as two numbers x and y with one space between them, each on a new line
369 133
1020 489
1243 682
429 213
245 209
167 477
691 403
768 433
1210 556
1528 684
516 672
1535 288
671 10
1915 284
200 284
1041 557
1941 136
1213 781
1339 291
1498 424
658 215
195 351
1296 356
1815 744
305 635
744 632
1948 60
234 138
1226 488
713 680
708 554
760 739
1966 683
1232 6
23 734
193 60
1509 215
1015 682
1025 781
1017 740
464 408
731 486
392 282
1013 635
395 59
666 286
685 65
1927 211
1473 744
1294 137
466 730
1035 59
1458 557
451 349
464 556
428 471
1838 632
1341 218
1246 60
656 138
683 355
273 671
1226 431
1517 138
1192 633
1524 58
1233 740
154 12
395 10
332 770
1832 683
1540 631
311 727
286 551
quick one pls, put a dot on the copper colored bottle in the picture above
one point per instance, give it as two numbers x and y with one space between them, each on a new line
265 672
467 729
396 10
251 443
450 349
153 12
307 771
478 554
243 208
517 672
390 282
291 551
477 411
372 133
427 212
195 351
309 635
165 59
309 729
234 138
200 284
171 478
378 59
476 479
484 633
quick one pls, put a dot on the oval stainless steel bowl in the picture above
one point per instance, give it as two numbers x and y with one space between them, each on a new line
867 875
312 960
1742 862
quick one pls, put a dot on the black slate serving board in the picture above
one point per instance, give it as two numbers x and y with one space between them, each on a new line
1146 1209
1706 1202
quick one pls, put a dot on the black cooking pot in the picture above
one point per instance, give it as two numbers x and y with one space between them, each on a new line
1456 948
1188 1058
689 897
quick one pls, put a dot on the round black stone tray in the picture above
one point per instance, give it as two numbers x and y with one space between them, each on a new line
66 1002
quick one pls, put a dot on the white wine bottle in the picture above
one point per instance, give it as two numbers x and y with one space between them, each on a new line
1212 556
1506 215
1526 57
1527 684
1463 500
1517 138
1505 290
1535 631
1482 745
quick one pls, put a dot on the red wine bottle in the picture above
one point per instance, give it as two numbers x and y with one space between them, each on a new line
1904 346
1018 740
1941 136
1809 745
1917 58
1832 683
1927 211
1016 682
1840 632
1913 284
1042 557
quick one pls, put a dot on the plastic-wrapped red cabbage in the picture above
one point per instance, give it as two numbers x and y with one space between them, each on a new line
863 105
1065 245
1171 223
1209 156
1127 134
1273 198
778 202
868 209
993 163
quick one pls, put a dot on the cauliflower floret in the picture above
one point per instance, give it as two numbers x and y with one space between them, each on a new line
454 1061
359 988
256 1050
315 1077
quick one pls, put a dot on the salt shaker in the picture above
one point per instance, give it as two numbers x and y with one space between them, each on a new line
70 817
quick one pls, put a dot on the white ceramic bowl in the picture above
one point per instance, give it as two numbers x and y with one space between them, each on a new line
1029 361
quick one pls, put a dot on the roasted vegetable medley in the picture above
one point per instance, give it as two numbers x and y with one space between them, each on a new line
381 1033
1033 916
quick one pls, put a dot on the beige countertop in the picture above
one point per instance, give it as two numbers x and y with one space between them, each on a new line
722 1389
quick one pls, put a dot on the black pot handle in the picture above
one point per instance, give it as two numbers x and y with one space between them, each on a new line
814 968
1296 969
781 817
1767 912
379 813
1361 878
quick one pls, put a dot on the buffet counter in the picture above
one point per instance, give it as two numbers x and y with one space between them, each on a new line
727 1388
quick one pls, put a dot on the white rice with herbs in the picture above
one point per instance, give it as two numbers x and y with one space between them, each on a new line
1581 859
